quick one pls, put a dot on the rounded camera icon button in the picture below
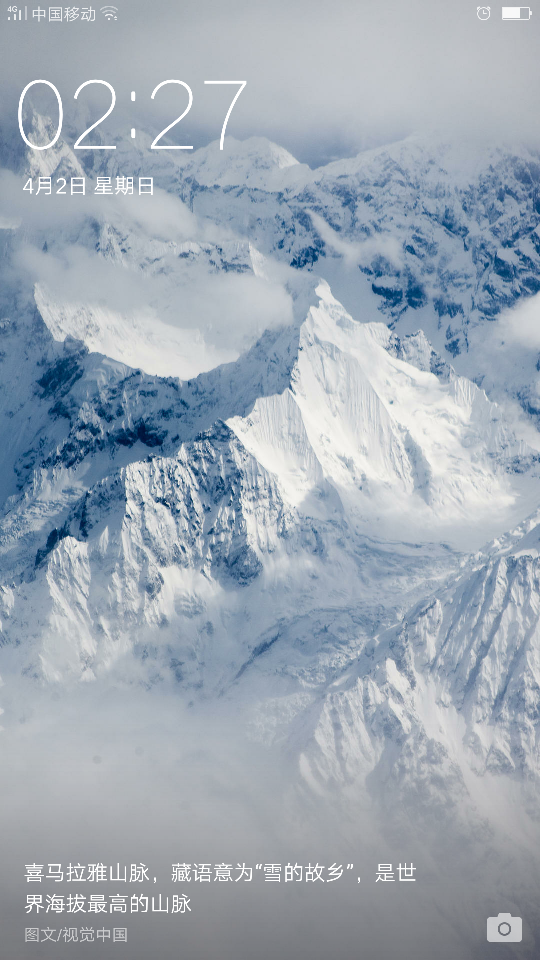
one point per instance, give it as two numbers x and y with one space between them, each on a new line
504 929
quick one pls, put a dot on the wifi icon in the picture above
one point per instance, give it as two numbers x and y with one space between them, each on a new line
109 12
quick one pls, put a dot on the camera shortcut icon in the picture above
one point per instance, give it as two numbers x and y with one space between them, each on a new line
504 929
483 13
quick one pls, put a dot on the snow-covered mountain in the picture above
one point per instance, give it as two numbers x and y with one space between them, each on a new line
336 527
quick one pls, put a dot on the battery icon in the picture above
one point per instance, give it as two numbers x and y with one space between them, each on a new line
516 13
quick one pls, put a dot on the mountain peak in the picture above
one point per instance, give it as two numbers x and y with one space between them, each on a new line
255 162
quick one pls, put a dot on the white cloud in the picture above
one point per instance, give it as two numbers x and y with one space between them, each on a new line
520 327
510 352
355 254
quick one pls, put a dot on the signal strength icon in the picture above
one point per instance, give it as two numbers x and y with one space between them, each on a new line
17 13
109 12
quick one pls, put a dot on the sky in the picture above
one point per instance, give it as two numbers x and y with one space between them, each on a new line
323 80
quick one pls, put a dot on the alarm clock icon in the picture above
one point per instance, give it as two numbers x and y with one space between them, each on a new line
483 13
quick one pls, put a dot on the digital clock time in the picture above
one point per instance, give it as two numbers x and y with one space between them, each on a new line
78 145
